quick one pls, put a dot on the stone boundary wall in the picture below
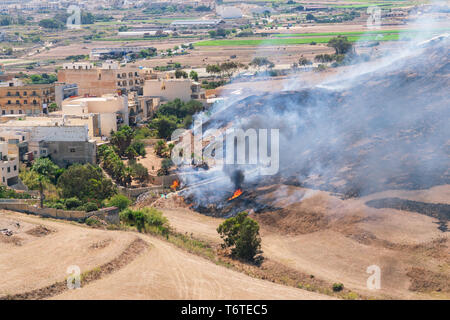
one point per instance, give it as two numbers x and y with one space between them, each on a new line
110 215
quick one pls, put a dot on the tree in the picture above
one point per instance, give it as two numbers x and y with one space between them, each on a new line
193 75
324 58
131 153
119 201
86 182
46 168
51 24
181 74
340 44
164 125
310 17
212 33
241 235
221 33
229 68
139 147
259 62
122 139
213 69
140 172
304 62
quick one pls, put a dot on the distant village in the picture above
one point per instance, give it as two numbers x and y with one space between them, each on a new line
68 119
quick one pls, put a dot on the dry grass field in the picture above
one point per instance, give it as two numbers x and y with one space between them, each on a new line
337 240
34 259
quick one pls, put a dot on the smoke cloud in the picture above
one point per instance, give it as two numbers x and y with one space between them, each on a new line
380 125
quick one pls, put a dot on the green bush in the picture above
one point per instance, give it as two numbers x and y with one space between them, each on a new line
85 182
6 193
120 201
241 234
55 205
91 206
337 287
73 202
147 219
91 221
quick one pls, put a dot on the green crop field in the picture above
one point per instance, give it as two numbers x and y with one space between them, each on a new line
293 41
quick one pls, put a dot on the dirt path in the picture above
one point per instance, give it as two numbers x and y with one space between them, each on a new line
166 272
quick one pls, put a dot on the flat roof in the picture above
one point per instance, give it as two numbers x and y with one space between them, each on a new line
184 22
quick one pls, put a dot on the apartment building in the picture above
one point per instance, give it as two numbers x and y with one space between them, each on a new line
30 99
111 112
64 142
171 89
110 78
9 166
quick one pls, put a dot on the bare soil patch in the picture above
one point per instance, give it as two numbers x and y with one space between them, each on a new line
130 253
15 240
100 244
39 231
428 281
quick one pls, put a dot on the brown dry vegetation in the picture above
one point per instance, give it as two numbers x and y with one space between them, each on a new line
37 269
336 240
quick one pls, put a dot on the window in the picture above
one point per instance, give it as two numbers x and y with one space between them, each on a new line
15 168
3 111
25 101
8 94
17 102
17 94
72 150
20 111
9 101
9 169
11 112
25 93
34 102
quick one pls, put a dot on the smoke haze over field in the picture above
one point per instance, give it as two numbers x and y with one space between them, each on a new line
382 125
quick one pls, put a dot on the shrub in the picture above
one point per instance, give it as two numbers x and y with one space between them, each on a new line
56 205
241 234
72 203
338 287
92 221
139 172
147 219
120 201
91 206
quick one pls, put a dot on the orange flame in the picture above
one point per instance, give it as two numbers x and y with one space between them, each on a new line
237 194
175 185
